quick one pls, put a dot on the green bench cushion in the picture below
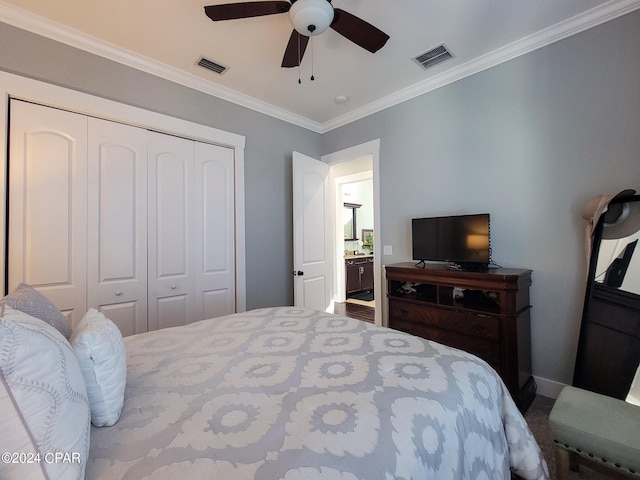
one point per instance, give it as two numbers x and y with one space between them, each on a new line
596 425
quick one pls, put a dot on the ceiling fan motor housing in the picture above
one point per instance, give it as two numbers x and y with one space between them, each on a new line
311 17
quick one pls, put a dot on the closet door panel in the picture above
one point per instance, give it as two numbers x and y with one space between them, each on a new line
215 230
172 310
171 255
48 204
117 226
124 315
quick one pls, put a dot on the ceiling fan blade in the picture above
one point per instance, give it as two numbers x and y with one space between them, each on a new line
232 11
358 31
295 50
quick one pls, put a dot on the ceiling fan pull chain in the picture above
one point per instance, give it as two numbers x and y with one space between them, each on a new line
299 60
312 77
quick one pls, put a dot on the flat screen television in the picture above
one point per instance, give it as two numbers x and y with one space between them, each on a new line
462 240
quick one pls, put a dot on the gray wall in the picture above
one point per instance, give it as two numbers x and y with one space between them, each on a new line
529 141
269 143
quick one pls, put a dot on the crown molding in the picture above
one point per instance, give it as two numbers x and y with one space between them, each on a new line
554 33
33 23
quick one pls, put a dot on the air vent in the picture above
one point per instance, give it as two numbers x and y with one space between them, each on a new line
211 65
433 57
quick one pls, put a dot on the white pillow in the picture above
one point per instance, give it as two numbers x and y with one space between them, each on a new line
15 439
45 394
30 301
99 347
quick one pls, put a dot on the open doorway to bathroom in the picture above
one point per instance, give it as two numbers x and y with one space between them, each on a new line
355 227
355 164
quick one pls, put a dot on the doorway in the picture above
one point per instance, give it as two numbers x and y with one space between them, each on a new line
354 218
354 180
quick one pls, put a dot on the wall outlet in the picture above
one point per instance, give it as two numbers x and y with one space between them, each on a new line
387 250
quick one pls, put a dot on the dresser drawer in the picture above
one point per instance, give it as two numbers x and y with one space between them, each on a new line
465 323
487 350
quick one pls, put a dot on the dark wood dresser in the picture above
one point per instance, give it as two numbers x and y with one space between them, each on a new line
485 313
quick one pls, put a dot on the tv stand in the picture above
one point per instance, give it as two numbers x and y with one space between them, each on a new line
486 313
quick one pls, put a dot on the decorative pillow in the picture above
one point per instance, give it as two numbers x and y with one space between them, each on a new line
16 440
44 384
30 301
99 347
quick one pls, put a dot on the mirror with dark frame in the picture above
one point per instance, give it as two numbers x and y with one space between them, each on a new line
350 221
608 353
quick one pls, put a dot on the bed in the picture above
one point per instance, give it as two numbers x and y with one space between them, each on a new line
296 394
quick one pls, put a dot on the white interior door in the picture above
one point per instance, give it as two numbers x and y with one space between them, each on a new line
311 233
171 282
214 231
48 204
117 225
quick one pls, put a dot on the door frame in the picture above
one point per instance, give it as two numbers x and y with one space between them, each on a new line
15 86
371 148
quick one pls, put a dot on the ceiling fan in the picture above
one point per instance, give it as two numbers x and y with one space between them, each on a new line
309 18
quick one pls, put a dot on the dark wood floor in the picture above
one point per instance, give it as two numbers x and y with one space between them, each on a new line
353 310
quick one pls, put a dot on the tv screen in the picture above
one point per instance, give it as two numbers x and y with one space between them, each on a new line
459 239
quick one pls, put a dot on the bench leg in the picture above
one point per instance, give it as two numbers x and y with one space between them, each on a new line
565 460
574 462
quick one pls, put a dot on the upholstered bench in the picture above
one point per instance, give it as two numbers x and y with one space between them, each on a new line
603 431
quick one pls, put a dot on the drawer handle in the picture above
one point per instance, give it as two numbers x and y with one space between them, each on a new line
173 287
118 293
404 312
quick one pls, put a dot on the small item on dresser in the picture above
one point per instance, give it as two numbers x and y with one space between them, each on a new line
407 288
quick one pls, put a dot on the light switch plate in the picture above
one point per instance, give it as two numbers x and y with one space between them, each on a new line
387 250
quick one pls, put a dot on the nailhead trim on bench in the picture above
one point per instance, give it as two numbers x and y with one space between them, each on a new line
592 456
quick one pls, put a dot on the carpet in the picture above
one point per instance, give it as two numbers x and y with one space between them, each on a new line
537 418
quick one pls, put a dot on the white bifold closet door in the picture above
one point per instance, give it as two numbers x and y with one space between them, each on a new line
47 246
171 224
191 231
117 223
135 223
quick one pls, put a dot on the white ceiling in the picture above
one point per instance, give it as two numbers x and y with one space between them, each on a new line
168 37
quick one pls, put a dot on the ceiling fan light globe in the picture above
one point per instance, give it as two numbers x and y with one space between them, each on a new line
311 17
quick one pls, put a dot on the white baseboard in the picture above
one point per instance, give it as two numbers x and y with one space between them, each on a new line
548 388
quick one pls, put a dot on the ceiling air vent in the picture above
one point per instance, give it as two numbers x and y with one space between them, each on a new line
211 65
433 57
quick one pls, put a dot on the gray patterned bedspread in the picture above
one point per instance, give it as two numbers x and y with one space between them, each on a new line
295 394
